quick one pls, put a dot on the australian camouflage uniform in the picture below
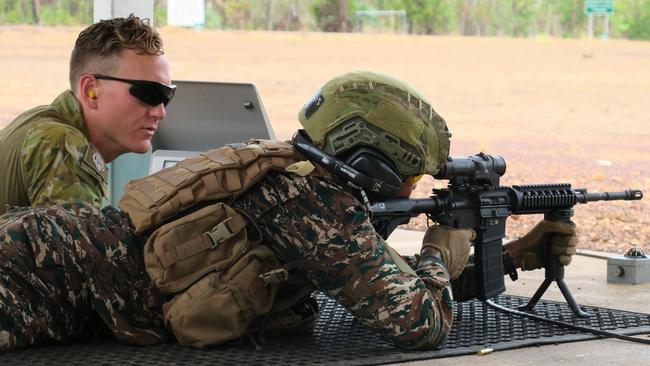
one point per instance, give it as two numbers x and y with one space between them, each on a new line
46 158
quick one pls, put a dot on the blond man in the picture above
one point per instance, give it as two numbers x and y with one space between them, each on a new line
119 87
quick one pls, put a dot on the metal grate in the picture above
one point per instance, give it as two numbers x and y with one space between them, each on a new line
339 339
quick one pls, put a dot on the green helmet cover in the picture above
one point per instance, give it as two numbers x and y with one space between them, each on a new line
369 109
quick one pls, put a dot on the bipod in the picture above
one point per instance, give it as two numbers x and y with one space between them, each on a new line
554 271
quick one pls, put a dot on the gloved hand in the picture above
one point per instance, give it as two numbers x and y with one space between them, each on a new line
553 238
453 245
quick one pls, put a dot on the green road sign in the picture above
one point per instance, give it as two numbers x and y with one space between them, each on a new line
599 6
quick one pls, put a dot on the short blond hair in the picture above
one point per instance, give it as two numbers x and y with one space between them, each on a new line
98 46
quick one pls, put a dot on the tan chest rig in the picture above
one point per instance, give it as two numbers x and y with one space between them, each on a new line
204 252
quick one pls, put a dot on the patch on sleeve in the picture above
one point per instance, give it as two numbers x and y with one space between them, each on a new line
94 163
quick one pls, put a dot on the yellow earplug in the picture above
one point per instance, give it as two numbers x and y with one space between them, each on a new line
92 94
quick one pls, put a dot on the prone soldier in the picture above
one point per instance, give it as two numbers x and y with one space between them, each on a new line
366 137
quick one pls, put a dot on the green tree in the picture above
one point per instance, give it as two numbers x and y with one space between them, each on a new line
572 18
428 16
333 15
631 19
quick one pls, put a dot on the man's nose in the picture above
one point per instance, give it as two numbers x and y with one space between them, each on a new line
158 111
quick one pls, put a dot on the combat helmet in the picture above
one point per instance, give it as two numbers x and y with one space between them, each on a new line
373 113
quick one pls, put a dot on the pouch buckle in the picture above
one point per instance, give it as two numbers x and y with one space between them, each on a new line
274 276
220 233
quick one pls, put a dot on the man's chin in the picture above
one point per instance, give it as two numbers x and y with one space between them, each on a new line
141 148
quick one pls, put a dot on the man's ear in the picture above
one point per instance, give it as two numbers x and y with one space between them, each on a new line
87 92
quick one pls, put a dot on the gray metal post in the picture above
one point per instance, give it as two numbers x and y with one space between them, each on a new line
590 31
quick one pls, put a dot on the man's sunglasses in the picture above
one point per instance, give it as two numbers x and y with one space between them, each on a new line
150 92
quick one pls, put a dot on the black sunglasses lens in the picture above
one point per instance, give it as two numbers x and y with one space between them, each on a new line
152 93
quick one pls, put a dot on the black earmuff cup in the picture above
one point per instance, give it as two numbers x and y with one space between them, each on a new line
373 163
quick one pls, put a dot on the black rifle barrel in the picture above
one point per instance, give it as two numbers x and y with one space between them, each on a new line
627 195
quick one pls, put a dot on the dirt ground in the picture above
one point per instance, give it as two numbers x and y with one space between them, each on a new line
572 111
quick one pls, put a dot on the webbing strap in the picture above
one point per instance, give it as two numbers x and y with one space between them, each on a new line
176 176
181 252
150 190
246 155
223 156
207 241
211 184
233 183
186 196
253 170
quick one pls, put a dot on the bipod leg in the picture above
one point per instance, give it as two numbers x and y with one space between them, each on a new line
568 296
538 295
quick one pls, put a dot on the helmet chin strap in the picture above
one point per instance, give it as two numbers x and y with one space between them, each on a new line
370 184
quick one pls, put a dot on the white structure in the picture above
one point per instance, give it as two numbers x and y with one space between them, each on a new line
107 9
186 13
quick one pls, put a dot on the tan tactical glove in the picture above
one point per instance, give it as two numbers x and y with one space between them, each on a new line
453 245
553 238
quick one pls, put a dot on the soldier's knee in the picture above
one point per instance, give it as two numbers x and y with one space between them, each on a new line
427 334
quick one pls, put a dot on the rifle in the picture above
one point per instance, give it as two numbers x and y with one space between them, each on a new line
475 199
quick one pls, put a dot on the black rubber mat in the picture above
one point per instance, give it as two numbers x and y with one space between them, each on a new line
339 340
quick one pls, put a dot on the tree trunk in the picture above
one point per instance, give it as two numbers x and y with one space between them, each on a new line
36 10
517 18
269 20
344 22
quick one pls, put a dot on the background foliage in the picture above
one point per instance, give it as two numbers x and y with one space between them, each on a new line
513 18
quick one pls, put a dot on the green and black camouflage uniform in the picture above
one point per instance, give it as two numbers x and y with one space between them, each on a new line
46 158
60 265
317 222
64 266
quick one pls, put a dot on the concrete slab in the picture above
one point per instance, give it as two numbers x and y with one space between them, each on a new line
587 279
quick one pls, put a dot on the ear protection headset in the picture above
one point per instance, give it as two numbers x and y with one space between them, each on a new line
364 167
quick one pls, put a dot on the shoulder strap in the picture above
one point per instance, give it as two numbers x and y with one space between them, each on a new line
217 174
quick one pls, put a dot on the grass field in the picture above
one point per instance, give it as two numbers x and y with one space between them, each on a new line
558 110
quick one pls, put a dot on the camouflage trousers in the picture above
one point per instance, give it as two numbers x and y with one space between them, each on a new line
61 267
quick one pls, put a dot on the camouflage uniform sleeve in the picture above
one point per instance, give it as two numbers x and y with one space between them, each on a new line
329 235
60 165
